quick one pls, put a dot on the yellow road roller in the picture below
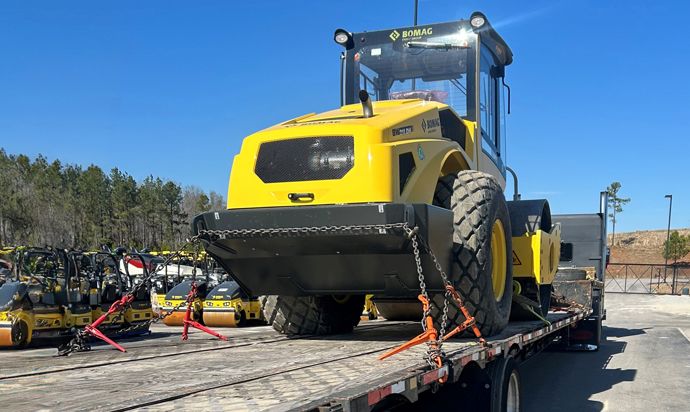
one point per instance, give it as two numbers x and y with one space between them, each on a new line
326 205
227 305
43 298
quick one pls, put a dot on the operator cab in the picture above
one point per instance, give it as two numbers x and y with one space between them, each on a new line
461 64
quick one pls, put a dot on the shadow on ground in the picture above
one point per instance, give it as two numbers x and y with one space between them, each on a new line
558 380
565 381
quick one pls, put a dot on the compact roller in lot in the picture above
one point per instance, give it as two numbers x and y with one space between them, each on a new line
319 206
42 298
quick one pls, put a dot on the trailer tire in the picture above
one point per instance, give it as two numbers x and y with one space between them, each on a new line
478 205
505 385
313 315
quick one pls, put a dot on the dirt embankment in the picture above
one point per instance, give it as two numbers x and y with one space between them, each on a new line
642 246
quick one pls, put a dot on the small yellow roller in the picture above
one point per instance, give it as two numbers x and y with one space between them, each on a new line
176 298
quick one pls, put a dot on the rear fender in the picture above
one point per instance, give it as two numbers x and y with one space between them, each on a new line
433 158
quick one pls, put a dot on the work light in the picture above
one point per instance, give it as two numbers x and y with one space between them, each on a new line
477 21
343 38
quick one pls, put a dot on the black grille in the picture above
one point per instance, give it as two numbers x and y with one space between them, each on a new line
306 158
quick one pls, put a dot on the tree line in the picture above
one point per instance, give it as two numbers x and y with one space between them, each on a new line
67 206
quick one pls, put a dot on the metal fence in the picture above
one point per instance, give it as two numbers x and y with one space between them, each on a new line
647 278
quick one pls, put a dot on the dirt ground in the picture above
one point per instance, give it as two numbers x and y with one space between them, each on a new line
642 246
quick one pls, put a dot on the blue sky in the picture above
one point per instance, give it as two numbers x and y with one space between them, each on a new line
170 88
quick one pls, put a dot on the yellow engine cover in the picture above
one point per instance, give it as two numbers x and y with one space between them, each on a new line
536 255
397 127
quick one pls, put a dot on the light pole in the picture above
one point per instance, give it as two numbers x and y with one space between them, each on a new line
668 232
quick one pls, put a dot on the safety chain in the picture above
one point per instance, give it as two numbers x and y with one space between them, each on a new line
80 342
434 356
434 350
301 230
434 339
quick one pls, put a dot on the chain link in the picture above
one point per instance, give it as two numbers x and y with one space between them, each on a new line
79 343
434 347
382 229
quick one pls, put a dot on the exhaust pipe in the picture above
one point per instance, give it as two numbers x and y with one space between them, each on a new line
367 108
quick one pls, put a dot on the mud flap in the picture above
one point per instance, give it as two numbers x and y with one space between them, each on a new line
585 335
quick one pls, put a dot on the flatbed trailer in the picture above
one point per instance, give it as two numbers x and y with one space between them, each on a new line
258 369
261 370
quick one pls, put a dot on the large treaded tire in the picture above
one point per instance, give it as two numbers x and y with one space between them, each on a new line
476 200
312 315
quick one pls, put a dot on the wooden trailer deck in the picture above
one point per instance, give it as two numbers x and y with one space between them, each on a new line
257 369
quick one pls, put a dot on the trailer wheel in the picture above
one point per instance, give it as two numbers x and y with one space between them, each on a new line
482 247
306 315
505 385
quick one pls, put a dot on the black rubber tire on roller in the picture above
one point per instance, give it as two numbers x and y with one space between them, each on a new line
570 274
307 315
476 200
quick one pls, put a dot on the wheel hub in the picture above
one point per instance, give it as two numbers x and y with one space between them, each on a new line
499 259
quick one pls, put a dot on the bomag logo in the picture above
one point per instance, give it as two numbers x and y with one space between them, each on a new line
394 35
431 124
417 32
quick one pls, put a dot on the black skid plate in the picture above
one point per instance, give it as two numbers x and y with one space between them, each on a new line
333 261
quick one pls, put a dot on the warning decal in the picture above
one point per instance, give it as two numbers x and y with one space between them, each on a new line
516 261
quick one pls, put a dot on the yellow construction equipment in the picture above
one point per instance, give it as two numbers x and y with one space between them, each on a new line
42 298
326 208
227 305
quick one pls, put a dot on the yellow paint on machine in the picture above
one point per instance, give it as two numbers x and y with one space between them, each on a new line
398 126
537 255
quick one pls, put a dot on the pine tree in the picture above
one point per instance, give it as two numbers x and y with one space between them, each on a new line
616 203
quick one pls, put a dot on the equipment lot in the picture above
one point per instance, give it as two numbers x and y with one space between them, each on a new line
644 364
